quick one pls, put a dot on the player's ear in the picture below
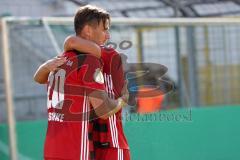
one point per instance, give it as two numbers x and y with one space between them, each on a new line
87 31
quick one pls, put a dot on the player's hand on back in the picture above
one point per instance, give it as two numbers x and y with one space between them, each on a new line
54 63
41 75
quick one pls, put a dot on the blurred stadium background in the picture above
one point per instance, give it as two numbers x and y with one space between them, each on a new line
198 120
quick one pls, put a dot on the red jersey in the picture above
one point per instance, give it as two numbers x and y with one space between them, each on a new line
109 133
69 129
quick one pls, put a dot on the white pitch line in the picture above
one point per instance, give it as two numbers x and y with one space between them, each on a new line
4 149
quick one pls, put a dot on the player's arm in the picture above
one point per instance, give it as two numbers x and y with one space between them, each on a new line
93 81
104 106
41 75
83 45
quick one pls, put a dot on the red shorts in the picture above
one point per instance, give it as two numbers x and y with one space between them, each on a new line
112 154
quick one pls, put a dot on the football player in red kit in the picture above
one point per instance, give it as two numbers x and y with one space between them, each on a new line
75 89
111 142
109 139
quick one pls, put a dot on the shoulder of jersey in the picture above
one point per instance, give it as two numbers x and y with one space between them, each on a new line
74 54
72 58
69 53
108 49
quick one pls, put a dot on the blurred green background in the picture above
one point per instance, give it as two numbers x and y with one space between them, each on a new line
201 134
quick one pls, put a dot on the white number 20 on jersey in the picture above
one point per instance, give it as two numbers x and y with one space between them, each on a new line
58 89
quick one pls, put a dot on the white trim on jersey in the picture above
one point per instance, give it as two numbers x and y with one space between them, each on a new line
111 87
114 116
106 83
87 109
112 132
84 139
115 129
112 119
120 154
81 153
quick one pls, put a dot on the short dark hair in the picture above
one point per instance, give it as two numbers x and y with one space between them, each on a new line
91 15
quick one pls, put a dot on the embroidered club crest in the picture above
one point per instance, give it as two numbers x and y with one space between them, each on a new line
98 76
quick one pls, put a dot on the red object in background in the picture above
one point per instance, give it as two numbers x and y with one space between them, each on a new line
149 100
